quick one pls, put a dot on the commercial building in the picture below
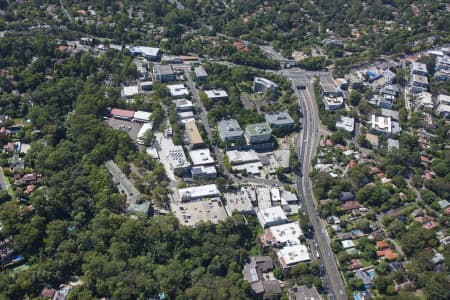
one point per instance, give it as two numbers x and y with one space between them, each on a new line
176 157
142 116
258 133
292 255
328 87
149 53
262 85
198 192
122 114
128 92
419 69
241 200
229 130
142 132
178 90
236 157
200 73
283 158
198 172
288 234
193 135
271 216
443 108
163 73
201 157
218 94
280 120
182 105
346 123
263 197
333 103
133 202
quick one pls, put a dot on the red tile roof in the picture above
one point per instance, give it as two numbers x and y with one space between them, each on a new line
122 113
382 244
350 205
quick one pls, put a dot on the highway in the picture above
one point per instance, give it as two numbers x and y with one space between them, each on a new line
306 148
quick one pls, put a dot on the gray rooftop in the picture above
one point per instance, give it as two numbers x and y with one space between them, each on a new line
162 70
279 119
200 71
229 129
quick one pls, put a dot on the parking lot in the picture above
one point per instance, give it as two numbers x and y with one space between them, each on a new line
132 128
191 213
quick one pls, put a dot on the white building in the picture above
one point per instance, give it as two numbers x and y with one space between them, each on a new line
142 116
150 53
346 123
216 94
292 255
443 108
236 157
177 90
141 134
276 195
263 196
262 85
182 105
271 216
382 124
201 157
346 244
128 92
176 157
203 172
284 235
198 192
419 68
333 103
419 83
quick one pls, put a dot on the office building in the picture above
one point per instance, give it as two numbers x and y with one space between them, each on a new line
229 130
258 133
262 85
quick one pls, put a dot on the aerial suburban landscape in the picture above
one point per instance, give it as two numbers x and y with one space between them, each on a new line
221 149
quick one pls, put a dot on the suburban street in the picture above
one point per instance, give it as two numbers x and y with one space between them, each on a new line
306 149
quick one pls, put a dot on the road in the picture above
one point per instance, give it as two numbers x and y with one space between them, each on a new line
307 144
66 13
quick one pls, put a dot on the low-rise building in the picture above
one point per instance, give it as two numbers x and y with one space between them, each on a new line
183 105
279 120
229 130
122 114
442 63
176 158
442 75
193 135
283 235
263 196
443 108
283 159
217 94
262 85
292 255
201 157
149 53
346 123
203 172
384 125
163 73
258 133
271 216
328 87
128 92
142 133
253 273
198 192
178 90
236 157
200 73
393 114
142 116
333 103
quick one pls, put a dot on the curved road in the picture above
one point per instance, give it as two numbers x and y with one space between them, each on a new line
306 149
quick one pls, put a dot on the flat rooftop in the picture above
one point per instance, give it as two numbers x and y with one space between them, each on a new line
197 192
328 84
288 233
229 129
201 157
219 93
236 157
279 118
162 70
241 200
292 255
193 134
258 129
